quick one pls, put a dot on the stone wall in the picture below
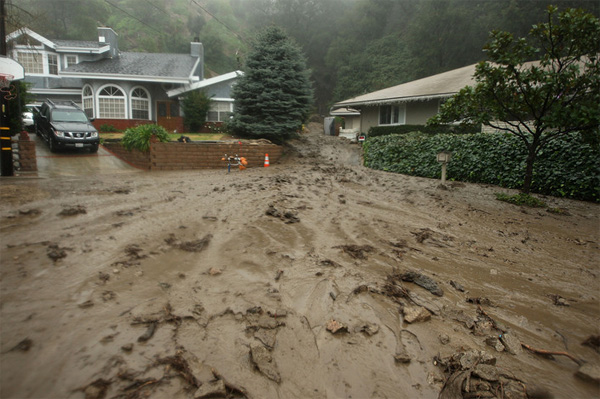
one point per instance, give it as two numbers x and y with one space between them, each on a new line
27 160
197 155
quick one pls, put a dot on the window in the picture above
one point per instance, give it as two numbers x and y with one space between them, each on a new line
140 103
52 64
32 62
111 103
392 114
70 60
219 111
88 101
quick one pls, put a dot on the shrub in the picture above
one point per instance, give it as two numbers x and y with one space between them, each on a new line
566 167
108 128
138 137
376 131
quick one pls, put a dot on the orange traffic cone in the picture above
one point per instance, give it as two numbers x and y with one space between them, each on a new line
266 160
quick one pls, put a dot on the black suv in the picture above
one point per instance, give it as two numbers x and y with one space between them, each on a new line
66 126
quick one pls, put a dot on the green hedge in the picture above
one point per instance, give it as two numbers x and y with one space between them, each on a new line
567 167
376 131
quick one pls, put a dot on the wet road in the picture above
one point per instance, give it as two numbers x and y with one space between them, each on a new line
77 162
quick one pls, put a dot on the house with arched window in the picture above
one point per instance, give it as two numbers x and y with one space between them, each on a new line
116 88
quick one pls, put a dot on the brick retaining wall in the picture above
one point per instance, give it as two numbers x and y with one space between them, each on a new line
198 155
27 156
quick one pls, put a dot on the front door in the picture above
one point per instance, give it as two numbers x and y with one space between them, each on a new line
168 115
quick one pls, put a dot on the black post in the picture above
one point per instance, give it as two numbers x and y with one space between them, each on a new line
6 158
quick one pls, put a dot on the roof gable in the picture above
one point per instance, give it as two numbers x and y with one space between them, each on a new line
441 85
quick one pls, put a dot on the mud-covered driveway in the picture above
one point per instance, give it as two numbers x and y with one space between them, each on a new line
313 278
73 162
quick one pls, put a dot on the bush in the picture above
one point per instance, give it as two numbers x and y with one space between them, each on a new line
566 167
108 128
376 131
138 137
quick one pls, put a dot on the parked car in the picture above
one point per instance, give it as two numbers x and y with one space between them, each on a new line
66 126
28 117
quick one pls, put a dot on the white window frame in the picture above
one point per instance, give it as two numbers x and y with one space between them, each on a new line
102 99
218 108
55 64
38 56
147 100
85 101
67 63
397 114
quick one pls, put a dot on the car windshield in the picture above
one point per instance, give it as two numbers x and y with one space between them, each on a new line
69 116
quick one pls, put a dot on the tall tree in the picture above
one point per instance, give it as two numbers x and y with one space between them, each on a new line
274 96
536 101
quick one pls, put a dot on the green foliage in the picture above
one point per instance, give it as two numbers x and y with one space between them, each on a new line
195 106
376 131
538 102
17 105
521 199
108 128
567 167
274 96
138 137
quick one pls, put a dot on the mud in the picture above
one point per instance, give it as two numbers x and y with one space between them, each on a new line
287 282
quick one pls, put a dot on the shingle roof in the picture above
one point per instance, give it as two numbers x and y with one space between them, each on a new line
441 85
154 65
77 43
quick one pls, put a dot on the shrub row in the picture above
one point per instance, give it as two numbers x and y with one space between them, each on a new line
566 167
376 131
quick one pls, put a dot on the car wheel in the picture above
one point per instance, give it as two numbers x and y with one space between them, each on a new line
52 145
94 148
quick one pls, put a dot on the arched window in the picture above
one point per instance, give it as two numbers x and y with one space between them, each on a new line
111 103
87 98
140 103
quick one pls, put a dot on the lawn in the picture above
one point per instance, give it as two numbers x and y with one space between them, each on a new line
174 136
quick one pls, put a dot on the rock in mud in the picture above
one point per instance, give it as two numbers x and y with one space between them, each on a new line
262 359
457 286
55 252
22 346
335 326
415 314
368 328
495 343
211 389
512 343
422 281
590 372
149 333
73 210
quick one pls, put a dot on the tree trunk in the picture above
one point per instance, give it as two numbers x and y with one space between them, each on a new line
529 167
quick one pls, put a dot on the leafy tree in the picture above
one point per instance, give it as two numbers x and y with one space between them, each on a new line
195 105
536 101
274 96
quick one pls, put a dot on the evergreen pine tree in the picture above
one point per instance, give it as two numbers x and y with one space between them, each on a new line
274 96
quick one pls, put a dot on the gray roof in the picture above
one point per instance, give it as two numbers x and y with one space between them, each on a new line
77 43
442 85
153 65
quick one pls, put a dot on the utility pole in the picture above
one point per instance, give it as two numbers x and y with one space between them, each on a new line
6 156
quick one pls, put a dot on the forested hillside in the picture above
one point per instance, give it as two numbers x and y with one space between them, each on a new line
352 46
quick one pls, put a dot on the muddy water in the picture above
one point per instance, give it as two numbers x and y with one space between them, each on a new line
196 256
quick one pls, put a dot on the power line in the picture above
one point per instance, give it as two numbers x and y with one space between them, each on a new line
219 21
140 21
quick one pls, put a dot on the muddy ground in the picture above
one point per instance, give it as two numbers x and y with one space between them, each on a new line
293 281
